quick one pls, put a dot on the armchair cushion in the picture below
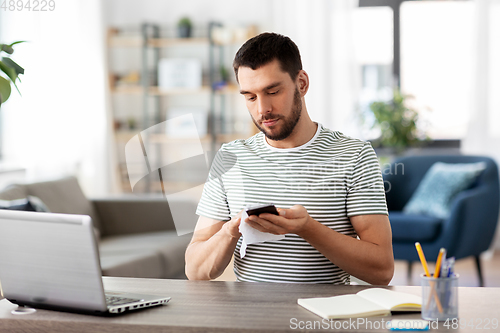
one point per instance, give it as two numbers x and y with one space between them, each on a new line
409 227
441 183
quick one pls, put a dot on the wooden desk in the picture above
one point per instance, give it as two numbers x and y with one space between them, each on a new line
202 306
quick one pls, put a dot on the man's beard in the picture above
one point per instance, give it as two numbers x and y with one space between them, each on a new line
289 123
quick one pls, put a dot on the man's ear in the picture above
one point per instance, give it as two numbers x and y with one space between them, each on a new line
302 82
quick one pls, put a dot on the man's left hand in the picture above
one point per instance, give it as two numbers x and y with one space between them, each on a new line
290 221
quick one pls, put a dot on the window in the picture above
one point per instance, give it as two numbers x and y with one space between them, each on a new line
374 48
432 59
437 62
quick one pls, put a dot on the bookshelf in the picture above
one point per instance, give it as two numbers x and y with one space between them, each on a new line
138 102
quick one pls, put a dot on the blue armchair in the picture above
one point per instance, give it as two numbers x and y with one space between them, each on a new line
469 229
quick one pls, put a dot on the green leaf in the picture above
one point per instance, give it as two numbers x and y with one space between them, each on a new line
4 90
11 73
6 48
15 85
18 42
397 122
9 62
9 48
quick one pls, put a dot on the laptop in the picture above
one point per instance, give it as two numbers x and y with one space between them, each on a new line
51 261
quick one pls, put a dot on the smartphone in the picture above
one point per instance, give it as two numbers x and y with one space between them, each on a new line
260 209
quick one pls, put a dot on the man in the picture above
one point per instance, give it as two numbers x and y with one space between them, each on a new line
327 187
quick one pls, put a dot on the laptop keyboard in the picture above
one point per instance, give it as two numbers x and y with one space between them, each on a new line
114 300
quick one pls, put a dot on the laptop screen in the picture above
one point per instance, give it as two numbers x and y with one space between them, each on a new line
50 259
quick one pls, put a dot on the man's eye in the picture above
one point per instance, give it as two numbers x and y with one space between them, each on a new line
251 99
273 92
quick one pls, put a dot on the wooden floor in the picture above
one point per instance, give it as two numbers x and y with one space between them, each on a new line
466 268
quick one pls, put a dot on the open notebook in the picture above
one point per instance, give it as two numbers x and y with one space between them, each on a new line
366 303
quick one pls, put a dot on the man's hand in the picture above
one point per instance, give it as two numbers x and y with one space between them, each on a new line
232 227
293 220
369 258
211 247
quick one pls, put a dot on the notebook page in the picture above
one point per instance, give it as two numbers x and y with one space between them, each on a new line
393 300
345 306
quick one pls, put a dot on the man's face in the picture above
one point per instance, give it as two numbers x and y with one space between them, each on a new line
272 98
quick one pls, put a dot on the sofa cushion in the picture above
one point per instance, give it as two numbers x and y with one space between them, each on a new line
414 228
29 204
64 196
169 247
173 254
143 264
14 192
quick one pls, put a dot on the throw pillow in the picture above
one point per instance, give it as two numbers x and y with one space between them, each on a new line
30 203
441 183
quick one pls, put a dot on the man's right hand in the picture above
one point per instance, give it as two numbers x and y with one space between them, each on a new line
232 227
211 247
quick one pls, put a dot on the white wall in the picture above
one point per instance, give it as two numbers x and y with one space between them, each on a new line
232 12
483 137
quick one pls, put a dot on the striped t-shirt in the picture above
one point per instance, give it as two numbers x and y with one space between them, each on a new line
333 176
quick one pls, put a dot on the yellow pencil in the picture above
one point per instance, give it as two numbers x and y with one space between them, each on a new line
426 269
422 259
436 275
438 262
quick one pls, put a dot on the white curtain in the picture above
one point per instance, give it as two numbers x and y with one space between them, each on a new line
483 137
323 31
61 124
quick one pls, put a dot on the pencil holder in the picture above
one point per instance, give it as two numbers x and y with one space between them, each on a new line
439 297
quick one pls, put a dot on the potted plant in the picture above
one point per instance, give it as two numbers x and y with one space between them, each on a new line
132 123
184 27
10 71
398 123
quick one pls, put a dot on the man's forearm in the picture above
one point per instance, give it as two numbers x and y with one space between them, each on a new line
206 260
367 261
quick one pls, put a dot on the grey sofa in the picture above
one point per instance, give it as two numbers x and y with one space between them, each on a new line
137 236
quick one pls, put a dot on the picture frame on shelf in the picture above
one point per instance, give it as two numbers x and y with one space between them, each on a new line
174 73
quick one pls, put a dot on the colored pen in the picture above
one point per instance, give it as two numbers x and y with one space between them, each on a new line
444 266
451 267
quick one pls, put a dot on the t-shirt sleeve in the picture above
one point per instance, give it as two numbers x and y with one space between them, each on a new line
213 203
366 194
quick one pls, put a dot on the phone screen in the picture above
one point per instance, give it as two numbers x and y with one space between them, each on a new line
271 209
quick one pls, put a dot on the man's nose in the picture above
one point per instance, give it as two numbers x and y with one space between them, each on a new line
264 105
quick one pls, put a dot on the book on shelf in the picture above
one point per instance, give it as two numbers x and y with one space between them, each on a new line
366 303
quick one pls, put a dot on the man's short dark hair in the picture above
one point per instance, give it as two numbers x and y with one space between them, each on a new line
266 47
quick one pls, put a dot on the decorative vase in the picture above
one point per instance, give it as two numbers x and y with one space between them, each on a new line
184 31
